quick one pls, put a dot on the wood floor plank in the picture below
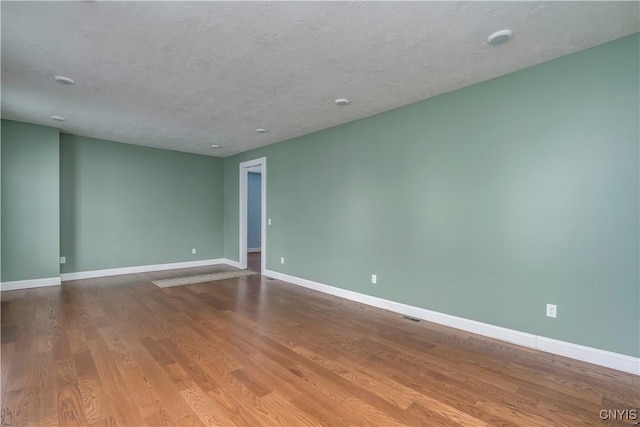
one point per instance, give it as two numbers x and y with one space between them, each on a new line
137 387
166 390
70 408
514 415
42 387
385 388
6 358
240 410
90 387
119 351
251 382
123 410
16 408
280 412
157 352
204 408
58 333
320 409
108 373
190 366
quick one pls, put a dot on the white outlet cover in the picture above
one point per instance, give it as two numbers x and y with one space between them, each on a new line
281 260
193 251
552 310
63 259
269 221
374 278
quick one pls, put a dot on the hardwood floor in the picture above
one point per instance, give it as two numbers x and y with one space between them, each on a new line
120 351
253 261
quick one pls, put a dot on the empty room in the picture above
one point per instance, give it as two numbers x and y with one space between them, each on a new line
320 213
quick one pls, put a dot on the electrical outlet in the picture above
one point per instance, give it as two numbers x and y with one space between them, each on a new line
269 221
193 251
552 310
281 260
374 278
63 259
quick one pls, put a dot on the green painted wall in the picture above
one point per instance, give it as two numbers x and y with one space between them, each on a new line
124 205
30 201
485 203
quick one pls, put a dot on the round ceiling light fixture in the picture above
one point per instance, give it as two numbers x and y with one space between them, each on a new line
64 80
342 101
59 118
499 37
215 146
260 130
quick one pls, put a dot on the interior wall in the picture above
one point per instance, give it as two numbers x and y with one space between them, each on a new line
30 202
124 205
485 203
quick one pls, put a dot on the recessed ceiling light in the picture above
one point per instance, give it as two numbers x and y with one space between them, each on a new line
499 37
59 118
215 146
342 101
260 130
64 80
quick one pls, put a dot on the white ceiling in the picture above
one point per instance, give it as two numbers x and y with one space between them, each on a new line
186 75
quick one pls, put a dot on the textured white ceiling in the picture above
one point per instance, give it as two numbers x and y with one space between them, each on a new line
185 75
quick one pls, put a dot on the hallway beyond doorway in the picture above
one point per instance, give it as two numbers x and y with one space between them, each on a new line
253 261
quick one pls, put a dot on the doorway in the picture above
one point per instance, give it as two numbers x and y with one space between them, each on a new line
252 226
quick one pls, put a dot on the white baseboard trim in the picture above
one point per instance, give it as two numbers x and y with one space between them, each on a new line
612 360
596 356
140 269
232 263
26 284
254 250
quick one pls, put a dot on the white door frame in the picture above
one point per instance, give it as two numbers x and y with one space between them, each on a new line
244 177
